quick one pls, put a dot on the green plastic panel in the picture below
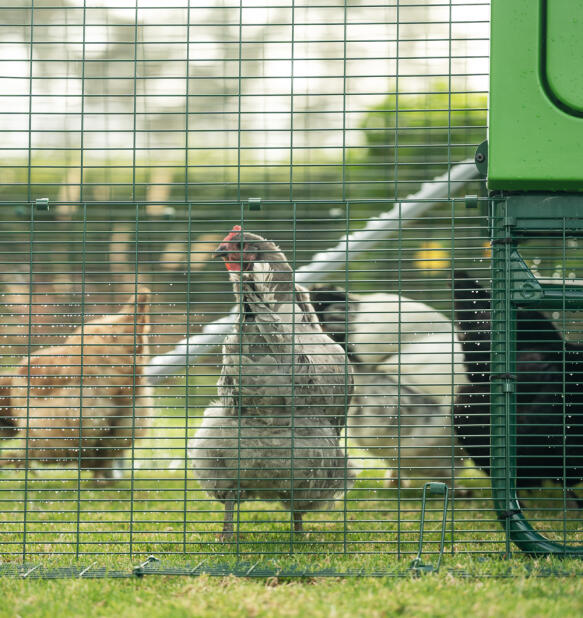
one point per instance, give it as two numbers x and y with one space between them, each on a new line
563 42
536 96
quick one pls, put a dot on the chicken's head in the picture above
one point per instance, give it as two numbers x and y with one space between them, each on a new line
243 251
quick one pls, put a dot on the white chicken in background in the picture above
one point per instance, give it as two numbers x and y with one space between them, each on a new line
408 366
283 393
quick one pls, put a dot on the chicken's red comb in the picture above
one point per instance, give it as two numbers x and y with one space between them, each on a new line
232 233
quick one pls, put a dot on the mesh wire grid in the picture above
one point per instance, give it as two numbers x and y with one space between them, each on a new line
135 137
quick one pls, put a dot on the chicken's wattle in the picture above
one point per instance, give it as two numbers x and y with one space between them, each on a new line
232 264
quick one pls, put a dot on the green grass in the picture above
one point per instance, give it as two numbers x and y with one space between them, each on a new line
167 515
441 595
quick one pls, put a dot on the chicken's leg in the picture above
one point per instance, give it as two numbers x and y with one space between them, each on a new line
573 500
227 533
298 523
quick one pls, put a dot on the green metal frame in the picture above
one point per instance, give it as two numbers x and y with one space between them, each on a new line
515 217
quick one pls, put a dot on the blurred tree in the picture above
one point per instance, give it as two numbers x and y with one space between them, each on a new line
411 138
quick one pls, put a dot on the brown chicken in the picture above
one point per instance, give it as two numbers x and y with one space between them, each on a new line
89 393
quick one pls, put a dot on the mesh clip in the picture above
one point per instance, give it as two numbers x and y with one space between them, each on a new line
141 569
42 203
433 489
471 201
502 376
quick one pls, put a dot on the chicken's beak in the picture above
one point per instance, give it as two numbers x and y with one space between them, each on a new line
221 251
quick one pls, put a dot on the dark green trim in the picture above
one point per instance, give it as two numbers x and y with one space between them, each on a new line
512 217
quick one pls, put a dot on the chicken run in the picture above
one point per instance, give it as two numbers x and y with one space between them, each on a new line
257 305
333 407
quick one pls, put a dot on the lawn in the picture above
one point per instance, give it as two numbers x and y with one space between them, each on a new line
434 595
158 509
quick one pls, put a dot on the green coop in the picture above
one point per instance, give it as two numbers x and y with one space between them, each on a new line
535 180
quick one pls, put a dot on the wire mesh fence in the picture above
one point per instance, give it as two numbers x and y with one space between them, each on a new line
138 140
535 374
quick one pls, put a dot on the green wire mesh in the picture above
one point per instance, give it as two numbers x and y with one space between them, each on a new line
535 374
135 137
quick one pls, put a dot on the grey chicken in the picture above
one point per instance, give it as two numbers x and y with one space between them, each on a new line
283 393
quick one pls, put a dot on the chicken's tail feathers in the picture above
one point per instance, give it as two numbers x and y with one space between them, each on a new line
472 314
139 304
134 315
471 299
466 286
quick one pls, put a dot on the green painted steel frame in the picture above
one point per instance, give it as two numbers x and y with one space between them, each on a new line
513 217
